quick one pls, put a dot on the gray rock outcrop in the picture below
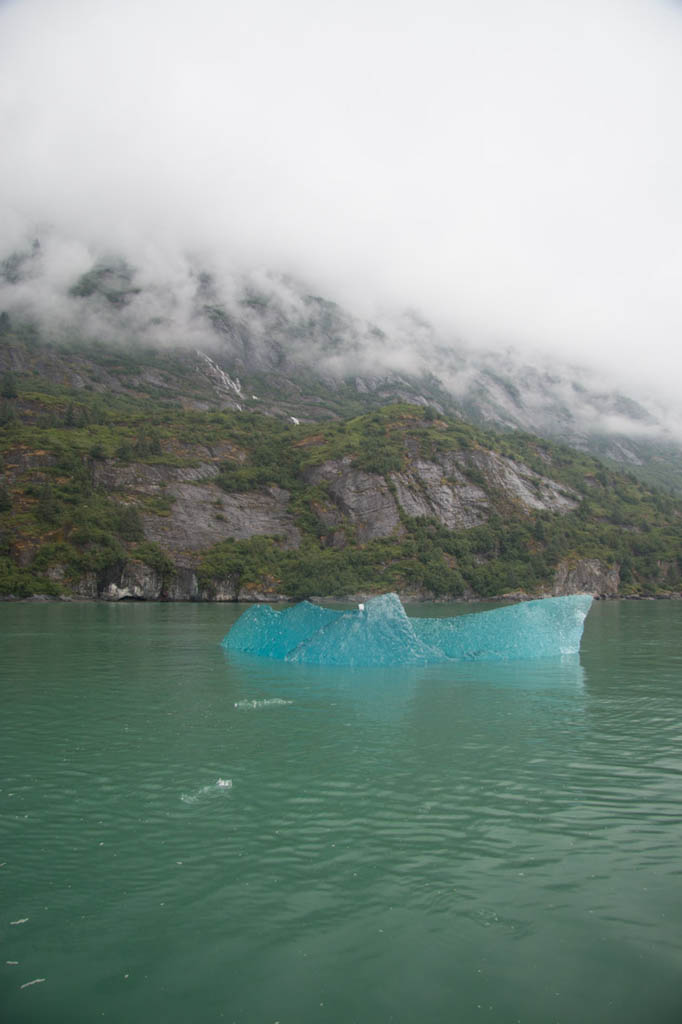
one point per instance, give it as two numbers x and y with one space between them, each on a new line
440 490
363 498
518 482
586 576
137 582
201 516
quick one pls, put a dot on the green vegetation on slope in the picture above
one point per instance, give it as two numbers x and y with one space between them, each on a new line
60 520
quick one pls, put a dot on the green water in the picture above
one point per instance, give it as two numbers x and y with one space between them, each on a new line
442 844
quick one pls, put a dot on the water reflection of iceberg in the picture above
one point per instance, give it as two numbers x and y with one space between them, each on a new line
382 634
387 694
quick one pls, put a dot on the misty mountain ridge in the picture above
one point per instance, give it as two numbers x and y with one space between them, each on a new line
262 341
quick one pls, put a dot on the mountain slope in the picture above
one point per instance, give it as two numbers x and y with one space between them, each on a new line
264 342
117 494
241 437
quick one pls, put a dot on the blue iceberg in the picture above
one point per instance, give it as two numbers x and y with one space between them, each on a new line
380 633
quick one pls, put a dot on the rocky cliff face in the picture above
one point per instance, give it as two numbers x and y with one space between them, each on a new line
441 489
586 576
196 514
362 499
201 516
138 582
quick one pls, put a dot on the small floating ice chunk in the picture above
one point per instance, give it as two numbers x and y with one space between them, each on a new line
206 791
380 633
267 702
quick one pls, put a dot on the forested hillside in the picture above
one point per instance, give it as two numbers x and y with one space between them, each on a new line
116 493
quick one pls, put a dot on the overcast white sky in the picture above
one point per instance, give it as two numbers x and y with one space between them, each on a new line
512 170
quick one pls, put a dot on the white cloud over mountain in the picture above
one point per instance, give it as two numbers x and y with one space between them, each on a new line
510 170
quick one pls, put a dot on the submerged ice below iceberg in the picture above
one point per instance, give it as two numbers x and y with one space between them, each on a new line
380 633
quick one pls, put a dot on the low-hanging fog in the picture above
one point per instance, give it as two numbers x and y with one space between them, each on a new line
509 171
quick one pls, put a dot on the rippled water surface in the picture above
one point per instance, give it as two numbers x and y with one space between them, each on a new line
186 836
